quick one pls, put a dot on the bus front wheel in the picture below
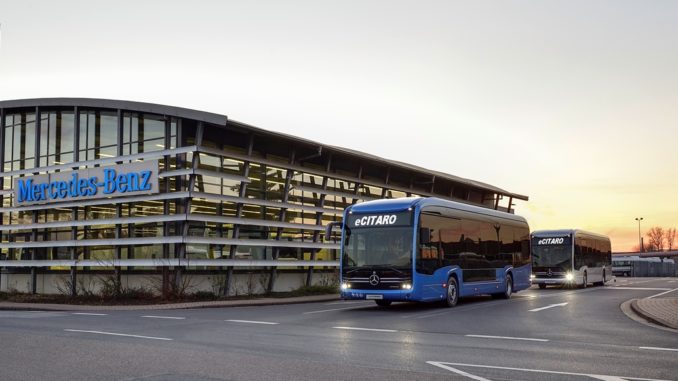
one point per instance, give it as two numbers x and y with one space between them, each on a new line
542 286
452 292
585 281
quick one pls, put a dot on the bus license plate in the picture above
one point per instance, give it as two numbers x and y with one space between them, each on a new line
373 296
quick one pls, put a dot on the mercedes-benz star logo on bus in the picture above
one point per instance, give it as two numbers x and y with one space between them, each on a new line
550 273
374 279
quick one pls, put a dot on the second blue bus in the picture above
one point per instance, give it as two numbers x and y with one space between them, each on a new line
431 250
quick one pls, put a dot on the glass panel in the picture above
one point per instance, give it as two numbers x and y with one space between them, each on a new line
553 253
9 139
147 251
17 143
28 149
67 125
372 247
154 127
53 129
108 130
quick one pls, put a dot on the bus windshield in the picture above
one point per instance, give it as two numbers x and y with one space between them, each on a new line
552 256
378 246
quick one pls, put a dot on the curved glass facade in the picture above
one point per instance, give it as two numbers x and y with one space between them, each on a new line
231 198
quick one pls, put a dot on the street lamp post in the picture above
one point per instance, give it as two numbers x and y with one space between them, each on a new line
640 241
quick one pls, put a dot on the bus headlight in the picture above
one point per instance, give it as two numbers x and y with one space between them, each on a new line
345 286
532 276
407 286
569 276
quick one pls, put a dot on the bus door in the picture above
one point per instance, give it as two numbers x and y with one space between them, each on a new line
427 262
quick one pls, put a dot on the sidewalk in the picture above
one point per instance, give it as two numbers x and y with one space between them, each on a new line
169 306
662 311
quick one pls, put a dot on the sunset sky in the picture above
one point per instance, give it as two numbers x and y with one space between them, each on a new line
573 103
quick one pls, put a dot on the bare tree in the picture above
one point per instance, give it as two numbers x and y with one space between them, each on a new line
656 238
648 247
670 237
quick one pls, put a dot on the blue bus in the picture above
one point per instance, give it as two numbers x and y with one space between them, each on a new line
431 250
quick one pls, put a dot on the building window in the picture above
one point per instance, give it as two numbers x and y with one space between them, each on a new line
146 133
98 135
19 141
56 137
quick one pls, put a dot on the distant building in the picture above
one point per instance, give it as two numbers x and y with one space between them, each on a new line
139 191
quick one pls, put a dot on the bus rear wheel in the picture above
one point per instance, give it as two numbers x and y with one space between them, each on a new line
601 283
452 296
508 291
383 303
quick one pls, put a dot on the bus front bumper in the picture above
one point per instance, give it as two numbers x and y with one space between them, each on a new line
556 280
393 295
551 281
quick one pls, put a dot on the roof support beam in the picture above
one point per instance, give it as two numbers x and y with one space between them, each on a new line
281 218
238 214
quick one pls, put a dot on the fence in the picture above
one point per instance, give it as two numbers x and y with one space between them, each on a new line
653 269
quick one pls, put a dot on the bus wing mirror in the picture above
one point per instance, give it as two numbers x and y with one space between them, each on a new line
329 227
424 236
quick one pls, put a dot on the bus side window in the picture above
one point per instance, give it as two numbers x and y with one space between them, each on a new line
521 238
508 252
434 249
578 253
449 243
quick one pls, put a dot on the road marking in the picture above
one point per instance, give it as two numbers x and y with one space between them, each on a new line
330 310
252 322
88 314
446 365
506 338
118 334
635 288
659 349
163 317
366 329
549 306
660 294
457 371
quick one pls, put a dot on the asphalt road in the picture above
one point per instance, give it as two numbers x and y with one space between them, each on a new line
552 334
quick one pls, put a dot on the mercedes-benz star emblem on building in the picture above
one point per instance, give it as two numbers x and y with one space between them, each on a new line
374 279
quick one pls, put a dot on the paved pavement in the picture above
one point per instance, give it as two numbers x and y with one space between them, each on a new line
662 311
551 334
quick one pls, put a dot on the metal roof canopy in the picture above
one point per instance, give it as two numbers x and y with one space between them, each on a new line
649 254
222 120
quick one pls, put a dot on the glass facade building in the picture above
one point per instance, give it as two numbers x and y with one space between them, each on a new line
234 203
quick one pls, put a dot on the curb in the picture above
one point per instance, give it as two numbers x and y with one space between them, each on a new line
14 306
649 317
